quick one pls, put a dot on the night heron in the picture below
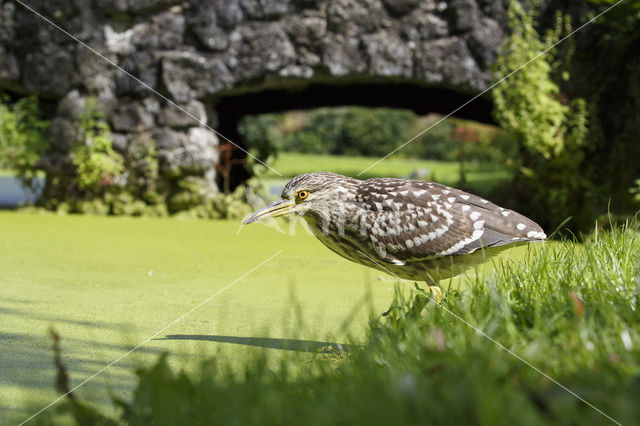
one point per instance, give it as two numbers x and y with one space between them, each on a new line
412 229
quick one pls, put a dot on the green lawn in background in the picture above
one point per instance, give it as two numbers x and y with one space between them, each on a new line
107 284
290 164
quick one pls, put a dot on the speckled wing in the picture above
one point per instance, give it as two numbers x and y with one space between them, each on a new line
413 220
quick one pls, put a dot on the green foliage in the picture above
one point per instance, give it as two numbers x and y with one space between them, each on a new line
528 103
22 137
635 190
622 20
551 128
97 164
569 310
236 205
346 130
262 132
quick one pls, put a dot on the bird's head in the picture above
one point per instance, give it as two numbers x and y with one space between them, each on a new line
307 193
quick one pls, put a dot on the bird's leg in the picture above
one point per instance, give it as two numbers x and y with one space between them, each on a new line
435 289
437 292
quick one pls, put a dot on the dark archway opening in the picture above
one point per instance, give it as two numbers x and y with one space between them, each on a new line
233 106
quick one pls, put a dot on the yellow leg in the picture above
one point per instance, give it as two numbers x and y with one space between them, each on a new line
437 293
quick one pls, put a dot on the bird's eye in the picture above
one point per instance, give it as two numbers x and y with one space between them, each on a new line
303 194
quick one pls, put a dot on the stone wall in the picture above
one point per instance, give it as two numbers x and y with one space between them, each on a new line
195 51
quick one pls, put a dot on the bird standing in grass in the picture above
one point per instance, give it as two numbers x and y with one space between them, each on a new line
412 229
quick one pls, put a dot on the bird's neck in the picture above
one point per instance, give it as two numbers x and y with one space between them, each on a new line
335 214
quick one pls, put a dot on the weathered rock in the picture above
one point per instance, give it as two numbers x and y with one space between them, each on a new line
260 46
262 10
485 41
189 75
142 65
464 15
134 6
120 141
307 30
62 134
7 24
71 106
173 117
131 117
449 62
210 24
422 25
187 154
164 31
400 7
51 71
388 55
9 70
348 17
343 56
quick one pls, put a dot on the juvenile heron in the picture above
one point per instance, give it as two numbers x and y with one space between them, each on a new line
413 229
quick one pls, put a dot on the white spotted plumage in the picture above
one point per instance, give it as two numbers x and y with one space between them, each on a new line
415 229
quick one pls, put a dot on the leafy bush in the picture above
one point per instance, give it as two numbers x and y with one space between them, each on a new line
22 137
551 128
97 165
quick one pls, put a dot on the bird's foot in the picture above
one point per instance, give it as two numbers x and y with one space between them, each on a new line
436 292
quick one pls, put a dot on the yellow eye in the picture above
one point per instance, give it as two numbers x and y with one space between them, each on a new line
303 194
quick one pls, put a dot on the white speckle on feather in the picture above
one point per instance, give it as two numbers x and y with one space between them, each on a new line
520 226
452 199
537 235
464 197
475 215
478 225
465 208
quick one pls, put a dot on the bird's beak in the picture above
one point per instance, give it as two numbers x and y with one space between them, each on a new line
277 208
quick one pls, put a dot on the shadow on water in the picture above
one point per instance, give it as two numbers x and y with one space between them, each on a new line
267 342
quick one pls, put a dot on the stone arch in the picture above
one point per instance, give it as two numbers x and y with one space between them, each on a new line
209 56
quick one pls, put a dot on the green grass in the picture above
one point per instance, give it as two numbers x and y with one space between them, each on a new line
106 284
291 164
570 310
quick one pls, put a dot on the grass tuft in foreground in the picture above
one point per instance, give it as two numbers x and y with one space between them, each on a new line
570 310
